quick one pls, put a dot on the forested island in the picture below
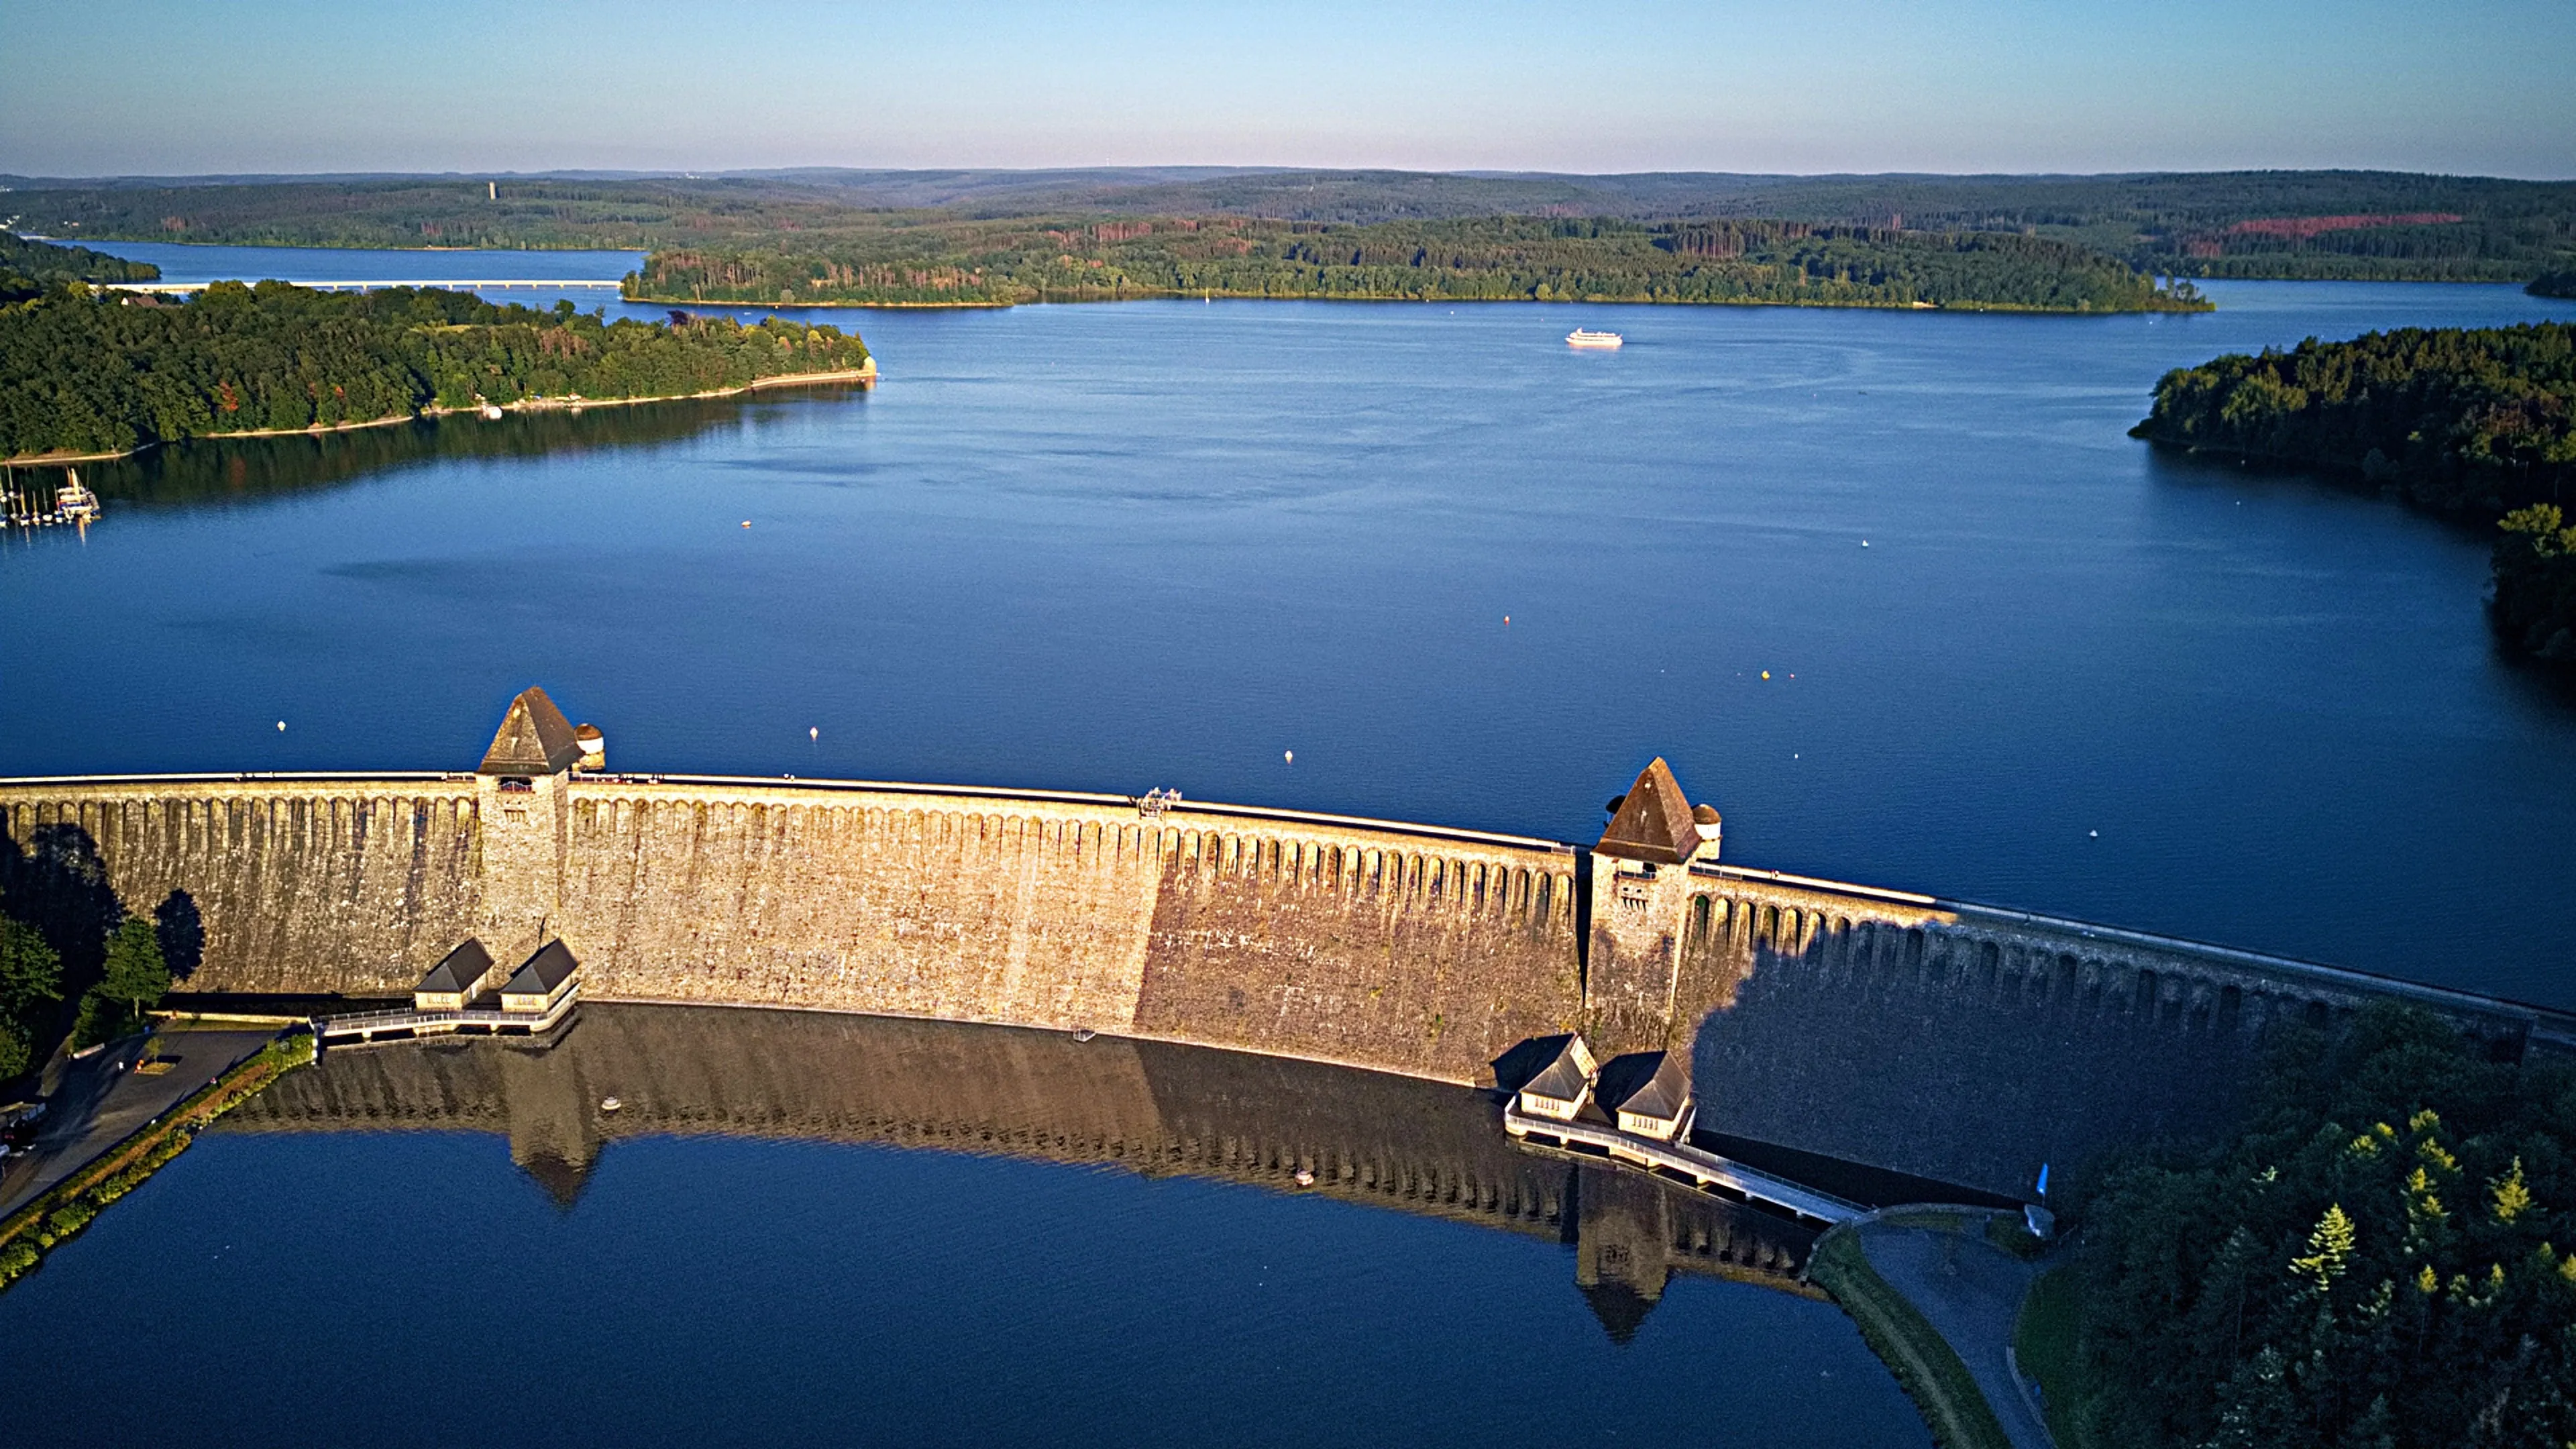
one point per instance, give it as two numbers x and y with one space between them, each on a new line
2466 421
2373 225
85 373
2385 1256
1000 262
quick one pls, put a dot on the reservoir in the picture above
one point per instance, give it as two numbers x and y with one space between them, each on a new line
2012 655
1893 590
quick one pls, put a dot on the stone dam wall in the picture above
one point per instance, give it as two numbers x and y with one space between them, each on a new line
1951 1042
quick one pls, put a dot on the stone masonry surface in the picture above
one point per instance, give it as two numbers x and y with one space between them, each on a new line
1953 1042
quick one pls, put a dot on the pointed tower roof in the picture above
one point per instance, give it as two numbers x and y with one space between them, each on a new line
535 739
1653 821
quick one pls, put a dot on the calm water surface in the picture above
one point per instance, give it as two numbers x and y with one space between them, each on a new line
2013 655
739 1257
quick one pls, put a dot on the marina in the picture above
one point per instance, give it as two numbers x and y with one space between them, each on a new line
29 503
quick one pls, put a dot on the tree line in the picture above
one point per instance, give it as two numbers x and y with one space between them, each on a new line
2385 1256
2463 420
28 268
66 941
2243 223
1005 261
82 372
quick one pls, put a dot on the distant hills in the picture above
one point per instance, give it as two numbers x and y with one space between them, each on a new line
2301 224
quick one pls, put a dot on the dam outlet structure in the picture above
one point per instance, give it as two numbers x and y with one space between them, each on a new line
1960 1043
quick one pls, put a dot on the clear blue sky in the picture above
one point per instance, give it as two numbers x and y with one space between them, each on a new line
184 86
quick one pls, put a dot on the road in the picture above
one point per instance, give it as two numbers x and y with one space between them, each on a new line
1971 1292
100 1100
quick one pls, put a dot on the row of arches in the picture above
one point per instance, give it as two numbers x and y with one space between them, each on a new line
189 824
1420 879
2040 974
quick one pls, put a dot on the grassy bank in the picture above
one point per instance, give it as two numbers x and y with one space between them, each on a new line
1923 1363
2044 1345
69 1206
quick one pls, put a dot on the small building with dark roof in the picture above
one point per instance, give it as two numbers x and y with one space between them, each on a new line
1654 823
452 983
1562 1086
541 981
1647 1093
534 739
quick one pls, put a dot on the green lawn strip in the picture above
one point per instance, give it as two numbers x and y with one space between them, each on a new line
1923 1362
67 1207
2044 1343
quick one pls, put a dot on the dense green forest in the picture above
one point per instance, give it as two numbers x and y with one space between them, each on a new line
87 373
1485 259
2465 421
2247 223
27 268
2554 284
2384 1259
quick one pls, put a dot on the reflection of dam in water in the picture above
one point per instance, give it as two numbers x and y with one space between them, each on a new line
1155 1108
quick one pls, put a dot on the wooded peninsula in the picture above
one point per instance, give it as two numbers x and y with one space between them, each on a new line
2465 421
84 372
1485 259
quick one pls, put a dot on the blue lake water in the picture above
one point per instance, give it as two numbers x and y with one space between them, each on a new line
1466 576
2014 655
516 1266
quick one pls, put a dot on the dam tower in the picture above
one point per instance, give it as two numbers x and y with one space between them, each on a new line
523 801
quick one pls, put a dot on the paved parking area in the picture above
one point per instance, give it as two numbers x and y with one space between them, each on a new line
101 1100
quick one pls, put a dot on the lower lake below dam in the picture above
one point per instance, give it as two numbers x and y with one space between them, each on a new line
1894 590
797 1228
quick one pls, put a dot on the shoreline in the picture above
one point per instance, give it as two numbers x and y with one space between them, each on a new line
1163 296
865 376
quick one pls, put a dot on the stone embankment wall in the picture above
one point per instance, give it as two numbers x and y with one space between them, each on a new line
1942 1040
303 885
1413 950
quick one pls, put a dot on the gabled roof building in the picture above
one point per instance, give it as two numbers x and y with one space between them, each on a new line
542 980
1647 1093
452 983
1562 1086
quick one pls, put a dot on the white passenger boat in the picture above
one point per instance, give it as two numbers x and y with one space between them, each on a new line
1582 337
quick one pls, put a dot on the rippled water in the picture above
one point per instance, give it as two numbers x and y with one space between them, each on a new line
1118 546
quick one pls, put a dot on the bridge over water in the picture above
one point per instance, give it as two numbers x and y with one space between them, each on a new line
1936 1038
342 284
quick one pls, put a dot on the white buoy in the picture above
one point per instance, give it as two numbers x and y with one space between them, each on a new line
1292 757
281 726
2092 834
814 733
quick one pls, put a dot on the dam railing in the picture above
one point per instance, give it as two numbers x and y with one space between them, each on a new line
2547 1023
1706 1171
